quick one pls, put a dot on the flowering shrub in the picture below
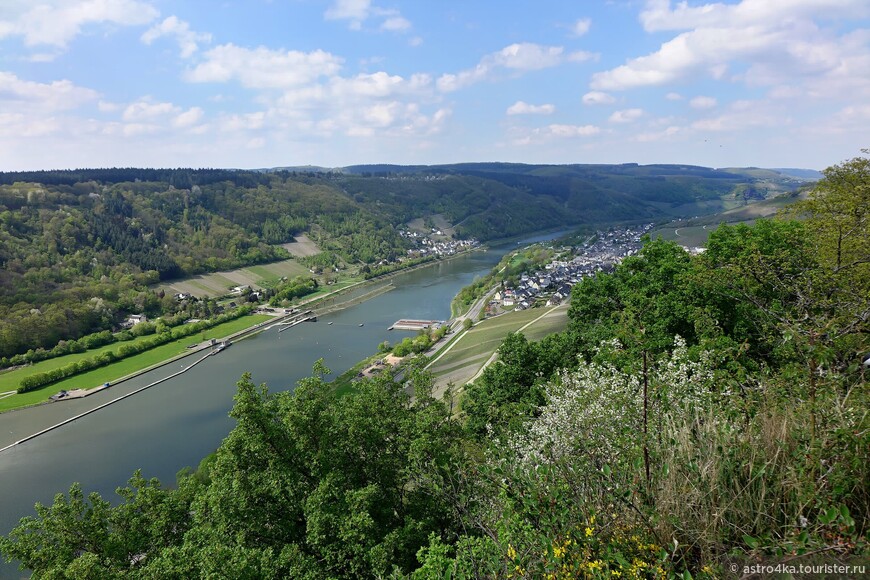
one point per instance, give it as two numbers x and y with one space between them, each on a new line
593 414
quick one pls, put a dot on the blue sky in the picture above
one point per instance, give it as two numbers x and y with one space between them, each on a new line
264 83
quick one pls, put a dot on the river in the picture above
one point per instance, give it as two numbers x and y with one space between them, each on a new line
178 422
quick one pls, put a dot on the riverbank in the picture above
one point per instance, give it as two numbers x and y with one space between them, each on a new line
106 404
163 355
131 367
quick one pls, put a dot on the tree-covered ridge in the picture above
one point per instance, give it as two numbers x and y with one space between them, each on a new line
78 248
503 197
699 410
75 259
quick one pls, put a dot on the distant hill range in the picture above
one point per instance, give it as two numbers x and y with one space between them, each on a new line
495 167
482 200
808 174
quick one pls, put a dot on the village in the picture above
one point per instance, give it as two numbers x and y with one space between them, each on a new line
552 285
436 243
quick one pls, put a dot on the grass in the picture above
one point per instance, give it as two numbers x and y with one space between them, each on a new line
276 270
10 379
483 339
687 235
219 283
127 366
556 322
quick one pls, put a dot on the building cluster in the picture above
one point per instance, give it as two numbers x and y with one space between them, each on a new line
553 283
432 244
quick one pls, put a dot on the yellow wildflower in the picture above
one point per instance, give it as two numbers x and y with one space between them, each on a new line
589 532
558 552
595 565
511 552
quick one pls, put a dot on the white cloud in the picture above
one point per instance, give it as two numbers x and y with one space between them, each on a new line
571 130
598 98
672 96
658 15
188 118
392 118
17 93
703 102
57 22
147 116
767 42
42 56
581 27
542 135
851 119
662 135
520 57
530 56
626 116
785 92
379 84
743 115
396 24
262 68
139 129
364 105
523 108
107 107
14 126
299 101
356 12
245 122
147 110
188 40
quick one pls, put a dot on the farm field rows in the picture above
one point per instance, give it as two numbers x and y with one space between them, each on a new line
220 283
471 350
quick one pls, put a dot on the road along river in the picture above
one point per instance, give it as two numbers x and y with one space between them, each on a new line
176 423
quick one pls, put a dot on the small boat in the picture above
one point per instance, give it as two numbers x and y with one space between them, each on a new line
361 324
328 323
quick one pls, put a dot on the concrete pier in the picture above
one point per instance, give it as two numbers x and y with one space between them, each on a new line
412 324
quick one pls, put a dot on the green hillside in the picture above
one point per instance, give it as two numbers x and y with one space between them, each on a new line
80 248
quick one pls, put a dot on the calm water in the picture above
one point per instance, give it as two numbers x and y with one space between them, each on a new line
177 423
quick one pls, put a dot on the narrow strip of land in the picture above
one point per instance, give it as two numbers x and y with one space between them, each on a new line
106 404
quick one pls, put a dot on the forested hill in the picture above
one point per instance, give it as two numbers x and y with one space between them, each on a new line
79 247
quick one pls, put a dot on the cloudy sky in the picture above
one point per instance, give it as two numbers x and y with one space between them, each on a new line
263 83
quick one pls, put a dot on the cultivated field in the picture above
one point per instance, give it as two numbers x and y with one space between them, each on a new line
438 220
468 353
303 246
220 283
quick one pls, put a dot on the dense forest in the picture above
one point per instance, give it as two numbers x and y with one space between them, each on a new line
698 411
79 248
